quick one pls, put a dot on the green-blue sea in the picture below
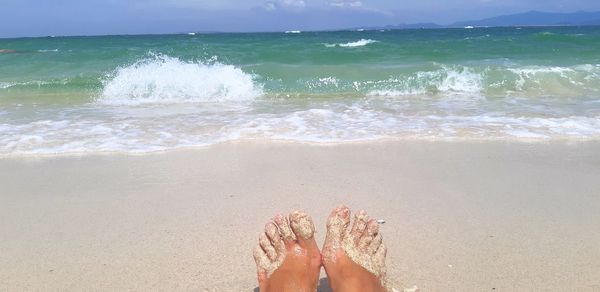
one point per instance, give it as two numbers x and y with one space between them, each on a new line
159 92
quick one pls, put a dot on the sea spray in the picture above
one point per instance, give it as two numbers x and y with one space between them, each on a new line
165 79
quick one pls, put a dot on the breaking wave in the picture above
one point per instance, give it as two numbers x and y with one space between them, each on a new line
359 43
164 79
48 51
531 81
39 83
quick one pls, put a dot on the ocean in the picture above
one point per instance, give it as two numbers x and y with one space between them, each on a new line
159 92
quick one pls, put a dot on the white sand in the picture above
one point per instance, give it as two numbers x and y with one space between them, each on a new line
459 216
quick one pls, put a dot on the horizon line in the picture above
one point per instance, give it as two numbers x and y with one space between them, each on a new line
389 27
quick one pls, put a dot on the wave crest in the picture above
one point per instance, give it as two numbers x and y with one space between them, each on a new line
164 79
359 43
531 81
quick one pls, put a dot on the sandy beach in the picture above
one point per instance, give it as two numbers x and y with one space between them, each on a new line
460 216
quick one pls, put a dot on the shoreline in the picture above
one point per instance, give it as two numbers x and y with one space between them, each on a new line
469 216
282 142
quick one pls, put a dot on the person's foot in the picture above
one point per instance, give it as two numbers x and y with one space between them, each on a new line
354 258
287 257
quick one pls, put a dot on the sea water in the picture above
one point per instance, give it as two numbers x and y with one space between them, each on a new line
159 92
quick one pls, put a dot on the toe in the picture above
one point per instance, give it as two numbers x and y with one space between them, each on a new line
275 237
371 230
284 229
303 227
337 224
261 259
379 256
359 225
267 247
375 244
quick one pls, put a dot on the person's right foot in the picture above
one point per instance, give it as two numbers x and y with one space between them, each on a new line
354 258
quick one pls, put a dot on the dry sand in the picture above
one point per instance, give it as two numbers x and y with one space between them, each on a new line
459 216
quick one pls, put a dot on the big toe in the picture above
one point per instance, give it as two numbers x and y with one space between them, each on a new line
303 227
337 224
359 226
367 238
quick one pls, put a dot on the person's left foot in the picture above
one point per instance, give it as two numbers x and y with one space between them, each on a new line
287 257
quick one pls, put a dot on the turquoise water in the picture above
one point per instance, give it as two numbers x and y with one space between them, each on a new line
148 93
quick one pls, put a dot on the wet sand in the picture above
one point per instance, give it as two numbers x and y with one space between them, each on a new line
460 216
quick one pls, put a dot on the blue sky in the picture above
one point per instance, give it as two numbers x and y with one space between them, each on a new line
85 17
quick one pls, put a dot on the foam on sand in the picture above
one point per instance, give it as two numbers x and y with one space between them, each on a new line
149 128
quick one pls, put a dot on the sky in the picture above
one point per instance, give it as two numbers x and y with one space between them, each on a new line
19 18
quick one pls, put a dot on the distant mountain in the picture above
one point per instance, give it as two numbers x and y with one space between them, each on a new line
536 18
400 26
531 18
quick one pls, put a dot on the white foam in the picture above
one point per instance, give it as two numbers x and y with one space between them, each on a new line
164 79
147 128
392 92
359 43
557 81
463 80
531 81
323 82
540 69
447 80
5 85
293 31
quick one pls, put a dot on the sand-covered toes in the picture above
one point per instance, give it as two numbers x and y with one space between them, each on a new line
354 258
287 256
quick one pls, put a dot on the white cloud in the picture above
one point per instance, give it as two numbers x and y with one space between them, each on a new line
345 3
284 5
293 3
205 4
270 6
